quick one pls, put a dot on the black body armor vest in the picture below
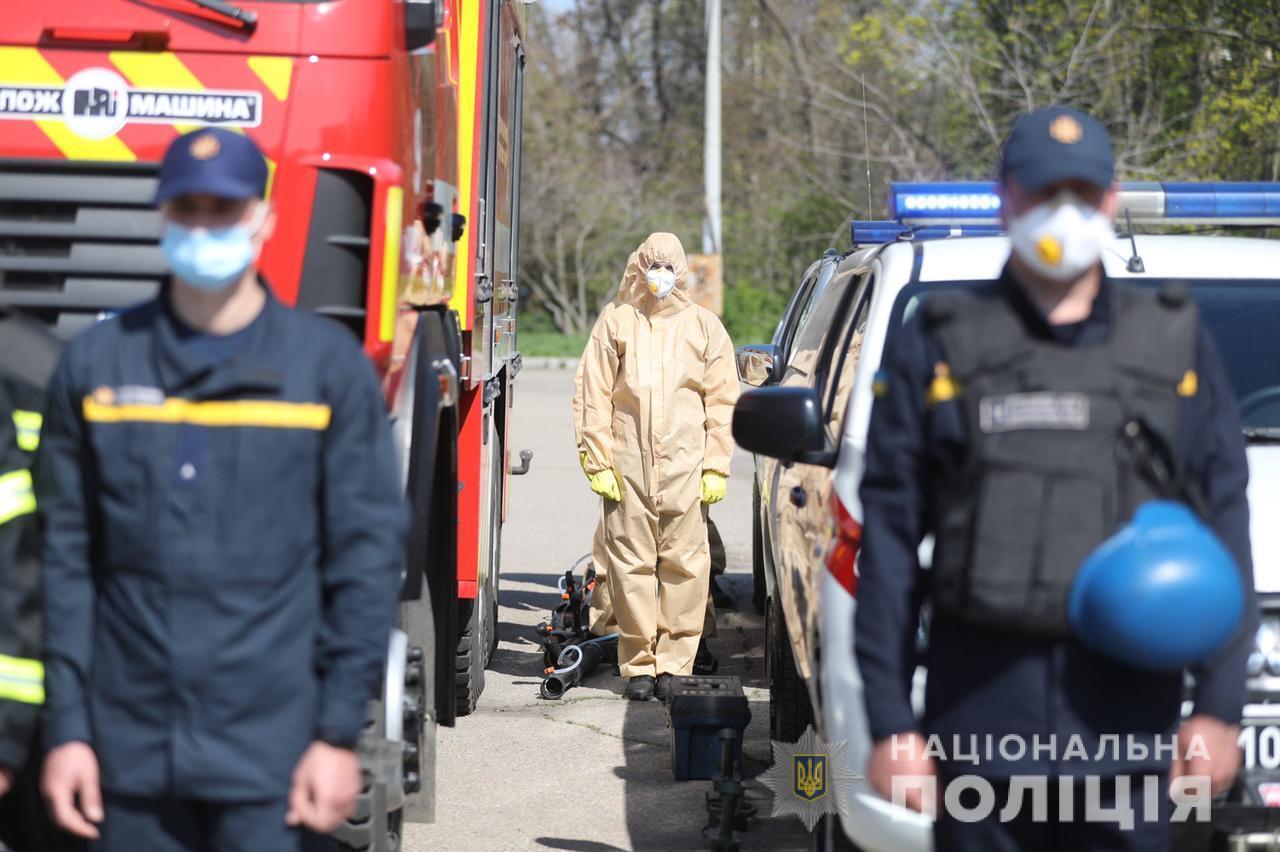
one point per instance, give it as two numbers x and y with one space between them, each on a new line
1047 477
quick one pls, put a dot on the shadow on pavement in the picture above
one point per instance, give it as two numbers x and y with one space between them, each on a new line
576 845
665 814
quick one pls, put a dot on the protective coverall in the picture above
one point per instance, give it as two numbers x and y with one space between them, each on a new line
602 620
658 390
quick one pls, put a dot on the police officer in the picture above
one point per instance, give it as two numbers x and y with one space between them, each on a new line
996 430
223 546
28 353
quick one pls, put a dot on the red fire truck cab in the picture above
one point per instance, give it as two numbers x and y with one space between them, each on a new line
392 132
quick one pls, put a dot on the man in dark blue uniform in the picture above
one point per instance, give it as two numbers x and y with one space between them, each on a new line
224 538
1017 488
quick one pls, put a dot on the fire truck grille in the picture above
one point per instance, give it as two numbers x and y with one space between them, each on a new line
77 240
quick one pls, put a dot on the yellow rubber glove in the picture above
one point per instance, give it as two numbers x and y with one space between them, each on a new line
582 460
605 483
714 487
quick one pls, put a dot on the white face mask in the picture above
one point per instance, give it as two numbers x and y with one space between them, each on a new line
661 281
1062 237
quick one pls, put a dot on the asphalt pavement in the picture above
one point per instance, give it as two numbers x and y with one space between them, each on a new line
590 772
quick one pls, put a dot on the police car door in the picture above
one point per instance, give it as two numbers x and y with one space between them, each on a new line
825 358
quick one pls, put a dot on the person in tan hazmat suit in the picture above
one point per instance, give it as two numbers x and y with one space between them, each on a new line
658 390
602 620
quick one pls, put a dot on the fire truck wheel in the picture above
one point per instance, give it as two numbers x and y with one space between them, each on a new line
470 656
371 829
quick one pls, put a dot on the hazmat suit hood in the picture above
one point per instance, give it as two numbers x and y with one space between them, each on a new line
658 248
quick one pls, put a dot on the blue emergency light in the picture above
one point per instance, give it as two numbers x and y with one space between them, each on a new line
972 208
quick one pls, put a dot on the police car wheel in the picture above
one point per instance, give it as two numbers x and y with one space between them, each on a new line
790 711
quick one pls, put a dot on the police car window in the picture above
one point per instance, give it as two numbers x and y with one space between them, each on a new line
791 319
811 333
1242 317
820 286
845 361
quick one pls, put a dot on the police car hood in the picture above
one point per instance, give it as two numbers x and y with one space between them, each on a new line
1264 492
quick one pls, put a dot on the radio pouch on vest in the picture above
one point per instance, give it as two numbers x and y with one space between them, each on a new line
1049 474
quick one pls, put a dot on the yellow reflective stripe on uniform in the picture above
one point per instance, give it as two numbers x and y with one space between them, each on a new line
21 679
272 414
17 496
28 424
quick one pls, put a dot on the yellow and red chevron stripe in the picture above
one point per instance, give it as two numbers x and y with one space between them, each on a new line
269 75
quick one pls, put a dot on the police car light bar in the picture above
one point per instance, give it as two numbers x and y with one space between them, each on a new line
873 233
977 203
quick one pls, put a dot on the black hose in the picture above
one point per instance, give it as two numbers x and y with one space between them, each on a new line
559 682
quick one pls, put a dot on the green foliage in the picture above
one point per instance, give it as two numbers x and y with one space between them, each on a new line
551 344
1190 90
751 313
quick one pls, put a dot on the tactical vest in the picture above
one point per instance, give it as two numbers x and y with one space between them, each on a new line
1046 477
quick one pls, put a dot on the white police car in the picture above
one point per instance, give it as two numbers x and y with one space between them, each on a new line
929 246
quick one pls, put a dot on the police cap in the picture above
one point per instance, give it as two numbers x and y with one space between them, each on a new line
212 161
1054 144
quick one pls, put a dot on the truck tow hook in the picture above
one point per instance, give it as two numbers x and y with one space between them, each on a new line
526 457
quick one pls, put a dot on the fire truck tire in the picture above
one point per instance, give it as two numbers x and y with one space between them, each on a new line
790 710
371 829
470 656
420 728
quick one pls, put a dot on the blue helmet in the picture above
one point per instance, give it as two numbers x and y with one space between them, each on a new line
1161 594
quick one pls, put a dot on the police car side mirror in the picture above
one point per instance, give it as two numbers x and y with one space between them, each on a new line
781 423
759 364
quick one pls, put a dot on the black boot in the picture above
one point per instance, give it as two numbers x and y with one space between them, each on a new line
662 690
703 662
639 688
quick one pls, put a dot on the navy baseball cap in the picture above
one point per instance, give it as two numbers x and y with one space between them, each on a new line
212 161
1057 143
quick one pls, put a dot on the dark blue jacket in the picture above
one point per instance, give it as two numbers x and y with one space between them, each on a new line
983 681
224 539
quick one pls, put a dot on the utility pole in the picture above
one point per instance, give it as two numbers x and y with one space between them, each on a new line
711 243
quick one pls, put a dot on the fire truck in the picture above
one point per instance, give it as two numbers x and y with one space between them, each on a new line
392 132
